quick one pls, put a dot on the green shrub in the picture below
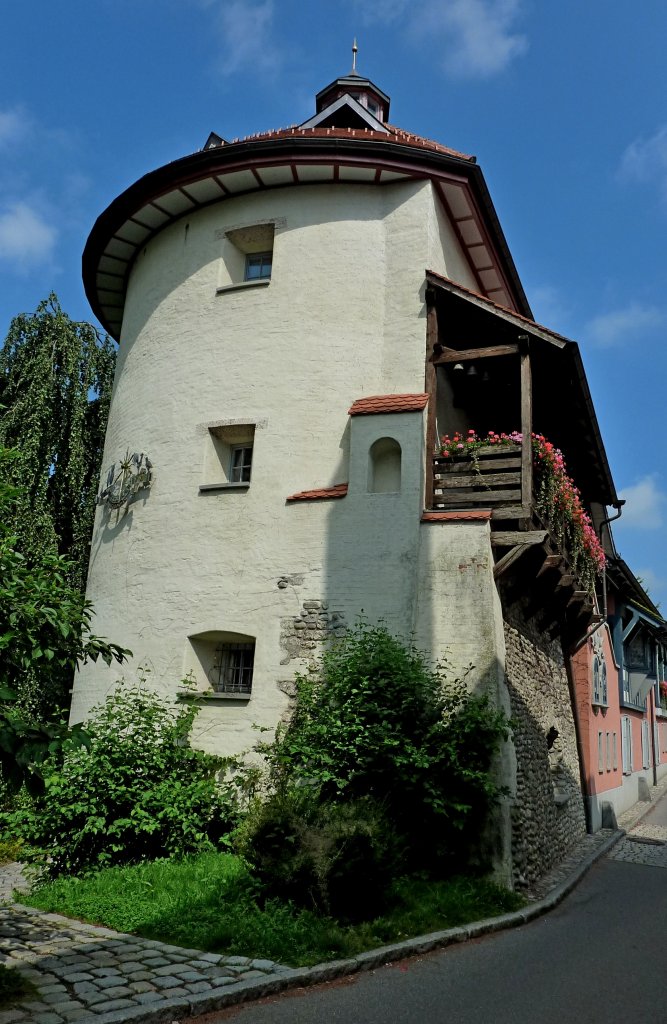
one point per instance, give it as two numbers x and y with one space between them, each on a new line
14 988
138 791
337 859
378 722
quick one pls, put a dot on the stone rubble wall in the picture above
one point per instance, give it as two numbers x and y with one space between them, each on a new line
548 812
302 636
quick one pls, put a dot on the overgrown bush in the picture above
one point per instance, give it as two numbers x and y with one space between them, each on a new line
338 859
378 731
136 792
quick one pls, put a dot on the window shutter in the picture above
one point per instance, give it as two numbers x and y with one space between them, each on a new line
626 744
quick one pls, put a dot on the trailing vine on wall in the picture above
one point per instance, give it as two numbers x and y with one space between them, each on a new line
56 377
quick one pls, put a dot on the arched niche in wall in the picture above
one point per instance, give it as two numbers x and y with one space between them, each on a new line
384 466
221 662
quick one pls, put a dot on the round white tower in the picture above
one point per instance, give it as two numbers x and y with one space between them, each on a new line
269 299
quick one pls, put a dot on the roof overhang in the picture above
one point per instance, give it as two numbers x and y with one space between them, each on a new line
285 159
559 374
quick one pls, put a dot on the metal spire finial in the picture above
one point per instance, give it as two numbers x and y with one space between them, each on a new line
355 50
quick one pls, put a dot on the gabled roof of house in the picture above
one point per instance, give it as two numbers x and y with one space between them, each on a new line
625 581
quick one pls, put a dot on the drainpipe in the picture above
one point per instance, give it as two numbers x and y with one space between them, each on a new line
653 730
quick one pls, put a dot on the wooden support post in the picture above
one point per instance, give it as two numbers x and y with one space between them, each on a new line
526 427
504 563
550 562
430 387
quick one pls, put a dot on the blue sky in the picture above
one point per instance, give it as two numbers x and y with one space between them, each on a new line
563 104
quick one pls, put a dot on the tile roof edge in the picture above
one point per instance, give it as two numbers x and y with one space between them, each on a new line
414 402
319 493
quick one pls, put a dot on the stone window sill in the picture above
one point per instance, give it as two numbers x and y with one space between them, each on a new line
213 698
206 488
260 282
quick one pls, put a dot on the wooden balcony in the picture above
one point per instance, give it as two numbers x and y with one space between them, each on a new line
492 479
542 572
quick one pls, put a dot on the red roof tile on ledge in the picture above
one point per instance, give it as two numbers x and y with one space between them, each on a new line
320 494
388 403
453 517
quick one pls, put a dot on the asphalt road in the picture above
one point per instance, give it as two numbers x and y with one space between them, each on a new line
599 957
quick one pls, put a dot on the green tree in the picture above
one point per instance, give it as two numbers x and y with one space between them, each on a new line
56 377
45 632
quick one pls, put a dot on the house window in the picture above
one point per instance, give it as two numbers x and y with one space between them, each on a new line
228 456
608 743
220 664
600 752
241 464
614 737
247 257
235 668
258 265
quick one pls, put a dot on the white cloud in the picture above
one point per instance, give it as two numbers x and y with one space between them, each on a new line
13 127
645 505
477 38
645 159
245 30
26 239
620 325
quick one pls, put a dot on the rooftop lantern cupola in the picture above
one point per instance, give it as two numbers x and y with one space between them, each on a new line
351 102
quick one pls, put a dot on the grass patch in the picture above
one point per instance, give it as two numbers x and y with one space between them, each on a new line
13 987
211 902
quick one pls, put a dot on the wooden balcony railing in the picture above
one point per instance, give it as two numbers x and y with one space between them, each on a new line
492 478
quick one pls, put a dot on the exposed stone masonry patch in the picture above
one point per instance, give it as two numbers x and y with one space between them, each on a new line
548 813
301 636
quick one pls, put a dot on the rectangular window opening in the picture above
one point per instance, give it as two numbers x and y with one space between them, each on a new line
228 456
236 663
241 464
258 266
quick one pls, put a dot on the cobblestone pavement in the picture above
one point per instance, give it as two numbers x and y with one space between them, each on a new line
99 976
11 878
637 850
86 973
586 847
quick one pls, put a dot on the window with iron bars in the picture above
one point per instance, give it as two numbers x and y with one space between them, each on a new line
236 662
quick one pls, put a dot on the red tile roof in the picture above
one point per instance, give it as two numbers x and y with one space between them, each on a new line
388 403
320 494
395 135
452 517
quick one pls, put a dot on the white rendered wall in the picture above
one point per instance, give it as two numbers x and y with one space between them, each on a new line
343 317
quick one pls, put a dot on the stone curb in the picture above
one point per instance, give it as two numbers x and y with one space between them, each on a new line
299 977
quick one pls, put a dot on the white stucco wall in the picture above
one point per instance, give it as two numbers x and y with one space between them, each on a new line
343 317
